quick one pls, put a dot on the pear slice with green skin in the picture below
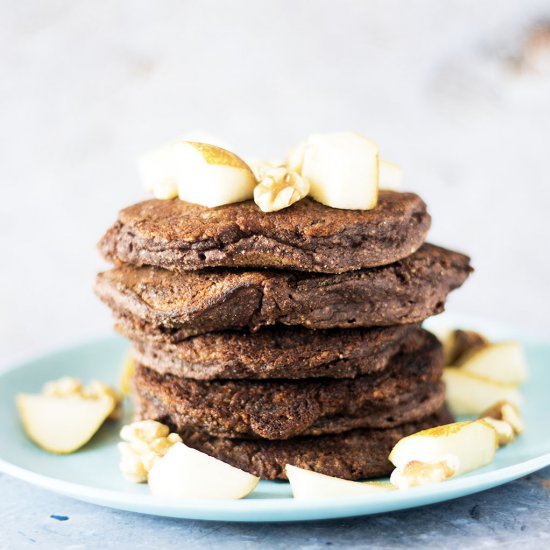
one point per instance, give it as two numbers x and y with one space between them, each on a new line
309 485
184 473
63 425
390 176
200 173
468 394
467 445
341 168
502 362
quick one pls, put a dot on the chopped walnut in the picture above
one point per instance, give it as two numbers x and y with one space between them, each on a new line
505 432
260 167
278 187
416 473
96 389
67 386
63 387
144 443
507 412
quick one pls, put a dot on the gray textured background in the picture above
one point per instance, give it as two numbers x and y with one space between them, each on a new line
458 92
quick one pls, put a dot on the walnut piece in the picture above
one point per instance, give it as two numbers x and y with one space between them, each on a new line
507 412
417 473
63 387
68 386
505 432
278 187
144 443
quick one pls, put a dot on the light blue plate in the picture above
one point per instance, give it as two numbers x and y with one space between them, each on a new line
92 474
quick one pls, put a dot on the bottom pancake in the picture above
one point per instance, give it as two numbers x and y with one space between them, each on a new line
357 454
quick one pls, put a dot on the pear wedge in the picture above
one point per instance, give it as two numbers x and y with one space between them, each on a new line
200 173
185 473
63 424
502 362
295 157
465 446
341 168
468 394
308 485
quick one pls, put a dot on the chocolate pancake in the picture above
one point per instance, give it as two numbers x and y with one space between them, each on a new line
308 236
356 454
192 303
274 352
408 389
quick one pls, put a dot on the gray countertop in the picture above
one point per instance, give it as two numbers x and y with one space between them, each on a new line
509 516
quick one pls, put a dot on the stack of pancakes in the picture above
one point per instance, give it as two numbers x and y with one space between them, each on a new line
287 337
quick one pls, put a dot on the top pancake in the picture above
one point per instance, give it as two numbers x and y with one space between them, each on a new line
307 236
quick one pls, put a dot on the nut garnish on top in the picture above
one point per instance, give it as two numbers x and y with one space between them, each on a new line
339 170
278 187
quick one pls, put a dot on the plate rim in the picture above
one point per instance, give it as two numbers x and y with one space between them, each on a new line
490 479
274 509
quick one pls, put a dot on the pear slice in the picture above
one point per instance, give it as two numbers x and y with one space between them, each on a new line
457 343
63 424
308 485
295 157
197 172
127 373
184 472
341 168
468 394
390 175
462 446
501 362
